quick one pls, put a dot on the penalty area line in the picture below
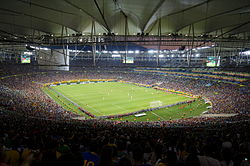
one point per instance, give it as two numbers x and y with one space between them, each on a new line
158 115
95 110
120 107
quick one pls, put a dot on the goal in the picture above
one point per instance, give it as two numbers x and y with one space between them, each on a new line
155 104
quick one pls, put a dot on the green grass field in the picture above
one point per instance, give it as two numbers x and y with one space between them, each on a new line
112 98
171 113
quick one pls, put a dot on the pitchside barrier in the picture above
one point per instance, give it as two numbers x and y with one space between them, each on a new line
155 104
163 89
79 82
81 109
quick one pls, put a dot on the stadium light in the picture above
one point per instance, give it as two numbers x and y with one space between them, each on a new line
116 52
116 55
201 48
245 53
197 55
152 51
161 55
34 47
75 51
27 53
44 48
39 48
137 51
130 52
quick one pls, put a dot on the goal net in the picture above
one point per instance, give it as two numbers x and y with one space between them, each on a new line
155 104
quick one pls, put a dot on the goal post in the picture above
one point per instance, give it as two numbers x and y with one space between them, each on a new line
155 104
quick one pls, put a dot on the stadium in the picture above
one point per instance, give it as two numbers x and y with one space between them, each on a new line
125 83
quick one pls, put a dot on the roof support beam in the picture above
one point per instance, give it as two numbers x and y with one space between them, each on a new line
46 7
152 14
202 44
26 27
159 43
181 11
215 15
126 31
65 53
29 15
191 49
239 61
228 26
84 11
93 32
102 14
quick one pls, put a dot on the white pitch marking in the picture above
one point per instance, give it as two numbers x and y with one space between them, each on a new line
119 107
158 115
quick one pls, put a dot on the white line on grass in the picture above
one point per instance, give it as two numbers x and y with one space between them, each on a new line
95 110
158 115
120 107
83 104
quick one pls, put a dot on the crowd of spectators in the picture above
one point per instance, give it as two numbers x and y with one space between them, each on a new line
37 131
21 91
33 141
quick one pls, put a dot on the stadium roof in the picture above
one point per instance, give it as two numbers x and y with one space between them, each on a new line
26 17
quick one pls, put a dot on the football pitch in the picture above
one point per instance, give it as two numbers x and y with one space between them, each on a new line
113 98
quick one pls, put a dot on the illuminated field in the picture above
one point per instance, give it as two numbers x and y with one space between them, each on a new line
113 98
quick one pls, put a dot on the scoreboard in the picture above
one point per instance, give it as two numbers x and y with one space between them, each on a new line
25 58
213 61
